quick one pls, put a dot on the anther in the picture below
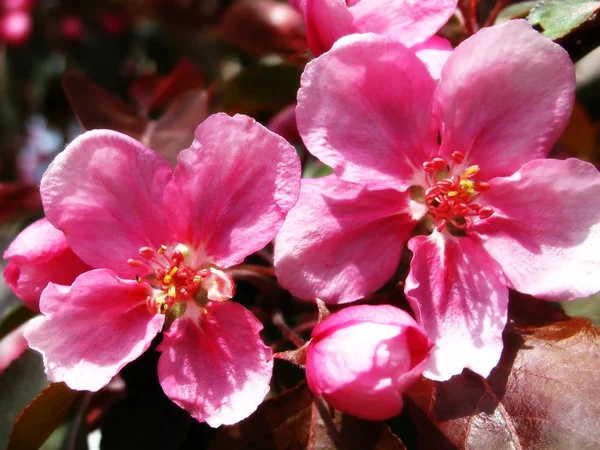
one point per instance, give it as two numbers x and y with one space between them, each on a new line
440 164
138 279
134 262
470 172
172 292
458 157
452 194
481 186
428 167
147 252
485 212
162 249
168 278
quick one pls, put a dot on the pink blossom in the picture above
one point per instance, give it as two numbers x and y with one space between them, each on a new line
15 27
362 358
160 241
413 23
12 346
494 214
40 255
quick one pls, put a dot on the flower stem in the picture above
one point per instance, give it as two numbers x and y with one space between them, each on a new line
289 334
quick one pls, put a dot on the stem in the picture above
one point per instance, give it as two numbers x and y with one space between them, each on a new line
464 11
498 7
255 268
473 16
279 322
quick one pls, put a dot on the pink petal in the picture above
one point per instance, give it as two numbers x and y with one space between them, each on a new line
214 364
408 22
492 103
341 242
92 329
545 231
364 109
362 358
232 188
457 294
434 53
12 346
39 255
326 22
104 192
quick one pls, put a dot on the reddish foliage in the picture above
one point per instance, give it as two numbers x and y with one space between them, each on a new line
544 393
18 199
297 420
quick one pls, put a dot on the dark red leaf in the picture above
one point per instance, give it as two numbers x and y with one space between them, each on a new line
264 26
174 130
97 108
184 77
43 415
296 420
544 393
18 199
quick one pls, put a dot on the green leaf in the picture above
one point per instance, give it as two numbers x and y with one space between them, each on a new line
558 18
515 11
17 316
588 308
19 384
41 417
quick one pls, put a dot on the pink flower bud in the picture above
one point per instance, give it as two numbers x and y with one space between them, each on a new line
39 255
362 358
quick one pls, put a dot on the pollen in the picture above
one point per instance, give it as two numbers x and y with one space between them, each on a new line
450 197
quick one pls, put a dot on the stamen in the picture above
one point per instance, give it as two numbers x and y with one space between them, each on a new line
162 249
147 252
449 196
169 277
135 263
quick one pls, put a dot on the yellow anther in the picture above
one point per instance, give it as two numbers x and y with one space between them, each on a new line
168 278
162 249
197 278
172 291
162 307
467 185
470 171
452 193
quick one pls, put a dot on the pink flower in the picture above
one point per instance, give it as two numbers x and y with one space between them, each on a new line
412 23
362 358
15 27
40 255
496 215
160 240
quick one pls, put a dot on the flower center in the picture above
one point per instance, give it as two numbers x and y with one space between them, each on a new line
450 197
174 281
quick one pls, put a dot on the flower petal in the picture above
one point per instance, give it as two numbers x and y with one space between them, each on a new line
362 358
104 192
92 329
341 242
232 188
457 294
434 53
408 22
545 230
364 109
39 255
217 369
326 22
493 106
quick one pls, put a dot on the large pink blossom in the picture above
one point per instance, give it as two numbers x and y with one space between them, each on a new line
40 255
494 214
413 23
362 358
159 240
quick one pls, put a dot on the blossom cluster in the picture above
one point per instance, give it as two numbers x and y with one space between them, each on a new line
428 150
